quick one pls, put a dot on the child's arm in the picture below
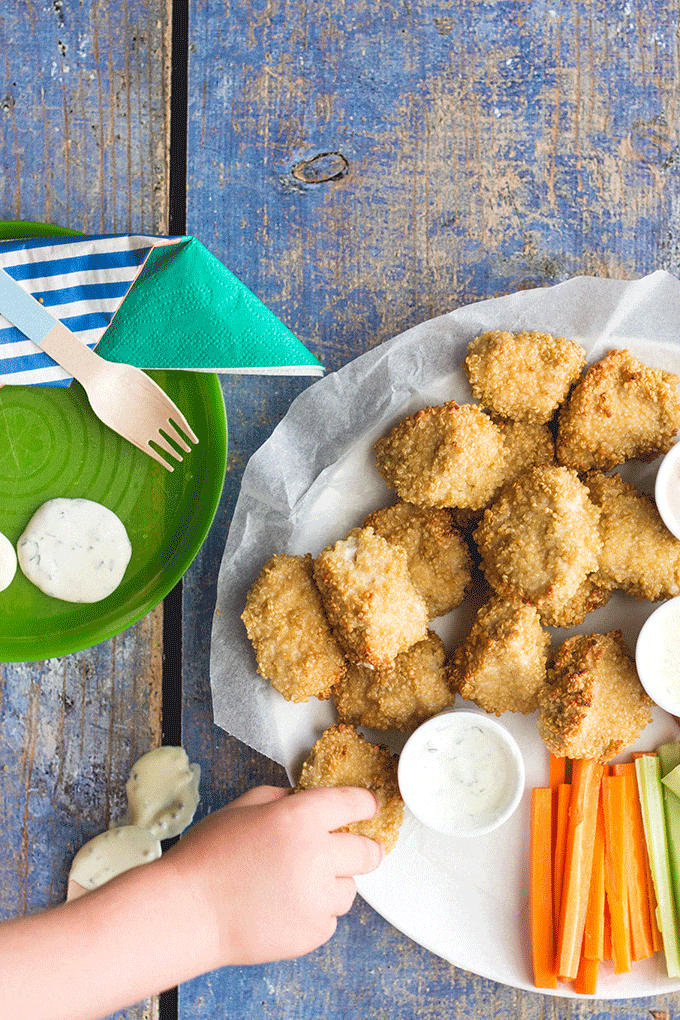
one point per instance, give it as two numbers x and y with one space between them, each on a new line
263 879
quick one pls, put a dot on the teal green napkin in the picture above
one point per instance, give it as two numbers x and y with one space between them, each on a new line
186 310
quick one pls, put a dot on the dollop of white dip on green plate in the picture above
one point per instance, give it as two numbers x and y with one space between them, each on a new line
75 550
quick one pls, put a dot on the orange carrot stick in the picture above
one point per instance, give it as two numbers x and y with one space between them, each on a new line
558 770
586 979
657 937
585 791
561 798
642 942
607 932
541 911
593 935
616 886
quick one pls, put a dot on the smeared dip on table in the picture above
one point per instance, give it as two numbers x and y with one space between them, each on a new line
110 854
162 793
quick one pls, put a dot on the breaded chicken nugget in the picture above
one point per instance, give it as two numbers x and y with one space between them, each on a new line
399 698
438 556
639 554
285 621
593 705
523 376
341 757
369 598
449 455
501 664
540 540
621 409
525 445
590 595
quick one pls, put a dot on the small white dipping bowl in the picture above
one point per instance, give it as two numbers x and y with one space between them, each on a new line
667 490
461 773
657 656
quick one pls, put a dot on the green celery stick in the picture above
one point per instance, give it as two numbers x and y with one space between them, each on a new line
669 762
671 780
648 770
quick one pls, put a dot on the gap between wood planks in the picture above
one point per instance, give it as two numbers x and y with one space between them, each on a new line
172 604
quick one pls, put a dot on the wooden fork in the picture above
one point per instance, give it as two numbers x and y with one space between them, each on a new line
123 397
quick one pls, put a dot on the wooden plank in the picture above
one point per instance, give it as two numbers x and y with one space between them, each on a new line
83 143
489 147
70 729
84 125
365 167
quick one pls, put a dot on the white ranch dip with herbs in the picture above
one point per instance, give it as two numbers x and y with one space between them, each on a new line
459 775
75 550
657 656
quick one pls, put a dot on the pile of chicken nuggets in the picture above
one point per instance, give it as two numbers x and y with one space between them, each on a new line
515 496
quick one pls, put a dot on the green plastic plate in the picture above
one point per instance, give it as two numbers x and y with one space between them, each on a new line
51 444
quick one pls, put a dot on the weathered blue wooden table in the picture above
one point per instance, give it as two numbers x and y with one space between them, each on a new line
361 167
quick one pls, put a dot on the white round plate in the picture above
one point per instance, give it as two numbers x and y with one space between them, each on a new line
464 899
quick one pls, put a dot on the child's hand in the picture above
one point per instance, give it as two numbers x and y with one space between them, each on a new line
270 875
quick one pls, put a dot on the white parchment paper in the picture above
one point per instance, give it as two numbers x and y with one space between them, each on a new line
312 481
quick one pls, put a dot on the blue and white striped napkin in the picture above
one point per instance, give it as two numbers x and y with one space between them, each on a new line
82 281
163 302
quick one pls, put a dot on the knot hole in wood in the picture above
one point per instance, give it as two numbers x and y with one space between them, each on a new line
326 166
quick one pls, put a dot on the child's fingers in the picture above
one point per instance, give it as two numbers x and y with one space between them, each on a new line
260 795
336 806
346 891
355 855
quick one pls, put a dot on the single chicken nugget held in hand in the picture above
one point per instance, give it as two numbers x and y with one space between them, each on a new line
400 698
439 560
593 705
293 644
639 554
620 410
539 541
450 455
524 376
501 664
342 757
369 598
